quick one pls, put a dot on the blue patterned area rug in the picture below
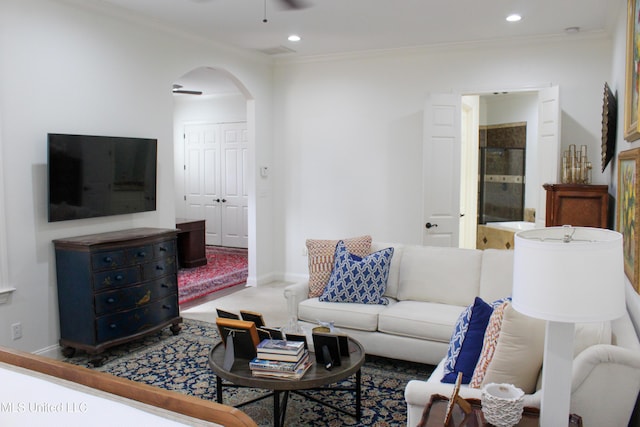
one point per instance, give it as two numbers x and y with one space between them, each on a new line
180 363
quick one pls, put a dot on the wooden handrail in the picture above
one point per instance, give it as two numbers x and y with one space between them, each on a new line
169 400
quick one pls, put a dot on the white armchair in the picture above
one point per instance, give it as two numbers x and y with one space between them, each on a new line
605 383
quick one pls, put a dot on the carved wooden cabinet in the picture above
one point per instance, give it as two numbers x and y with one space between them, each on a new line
115 287
578 205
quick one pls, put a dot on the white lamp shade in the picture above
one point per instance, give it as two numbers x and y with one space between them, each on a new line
577 281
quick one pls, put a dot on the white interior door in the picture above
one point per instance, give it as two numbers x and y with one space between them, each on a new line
441 166
234 213
548 145
202 178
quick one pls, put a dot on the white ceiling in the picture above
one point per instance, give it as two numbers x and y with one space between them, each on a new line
340 26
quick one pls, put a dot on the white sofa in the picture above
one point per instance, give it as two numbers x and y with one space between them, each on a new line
429 287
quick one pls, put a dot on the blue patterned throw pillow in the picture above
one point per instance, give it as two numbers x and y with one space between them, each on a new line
360 280
472 322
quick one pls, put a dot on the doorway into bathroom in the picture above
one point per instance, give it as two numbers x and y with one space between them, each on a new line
501 177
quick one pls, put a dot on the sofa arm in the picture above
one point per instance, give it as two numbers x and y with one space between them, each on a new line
418 393
605 385
294 294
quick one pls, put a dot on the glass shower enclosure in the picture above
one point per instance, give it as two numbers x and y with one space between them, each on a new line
501 184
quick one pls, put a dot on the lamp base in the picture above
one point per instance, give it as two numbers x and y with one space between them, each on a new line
555 404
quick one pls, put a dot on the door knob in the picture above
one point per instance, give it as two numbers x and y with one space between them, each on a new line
216 200
224 200
429 225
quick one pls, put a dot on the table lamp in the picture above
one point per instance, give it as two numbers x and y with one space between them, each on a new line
566 275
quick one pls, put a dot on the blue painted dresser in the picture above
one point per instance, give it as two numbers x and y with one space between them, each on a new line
116 287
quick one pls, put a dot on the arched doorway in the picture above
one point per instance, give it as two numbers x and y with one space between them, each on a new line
211 103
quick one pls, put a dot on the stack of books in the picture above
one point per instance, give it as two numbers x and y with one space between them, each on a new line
280 359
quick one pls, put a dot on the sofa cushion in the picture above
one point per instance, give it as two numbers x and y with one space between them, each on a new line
464 349
439 274
363 317
394 269
421 320
320 256
496 274
519 351
357 279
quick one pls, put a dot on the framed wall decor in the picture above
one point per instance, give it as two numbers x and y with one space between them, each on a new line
609 120
631 132
628 212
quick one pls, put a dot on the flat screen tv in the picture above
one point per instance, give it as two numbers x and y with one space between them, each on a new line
94 176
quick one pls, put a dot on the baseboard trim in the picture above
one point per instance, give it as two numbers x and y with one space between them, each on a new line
52 352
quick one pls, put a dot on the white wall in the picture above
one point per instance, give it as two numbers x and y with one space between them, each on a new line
74 67
348 135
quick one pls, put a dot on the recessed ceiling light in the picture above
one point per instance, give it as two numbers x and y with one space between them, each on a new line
514 17
294 38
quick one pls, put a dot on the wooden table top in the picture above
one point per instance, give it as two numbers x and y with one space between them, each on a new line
316 376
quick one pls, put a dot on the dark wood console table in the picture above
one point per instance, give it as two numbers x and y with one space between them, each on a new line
191 242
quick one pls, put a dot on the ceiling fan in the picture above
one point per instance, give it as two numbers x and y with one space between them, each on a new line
178 89
287 4
293 4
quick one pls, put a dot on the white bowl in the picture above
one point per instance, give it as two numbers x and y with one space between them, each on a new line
502 404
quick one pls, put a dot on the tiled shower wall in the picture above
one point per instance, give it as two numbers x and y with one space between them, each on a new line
502 171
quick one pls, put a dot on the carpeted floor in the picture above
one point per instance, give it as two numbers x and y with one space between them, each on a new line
225 267
180 363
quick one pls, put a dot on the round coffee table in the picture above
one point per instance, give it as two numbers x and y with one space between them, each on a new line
317 377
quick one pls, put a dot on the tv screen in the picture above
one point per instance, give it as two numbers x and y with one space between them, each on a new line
93 176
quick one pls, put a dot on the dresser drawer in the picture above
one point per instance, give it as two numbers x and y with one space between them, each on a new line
135 296
164 249
139 255
112 259
159 268
116 278
137 320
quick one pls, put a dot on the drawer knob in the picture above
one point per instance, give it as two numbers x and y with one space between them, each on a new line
108 259
159 267
113 326
163 249
111 300
166 306
119 277
142 254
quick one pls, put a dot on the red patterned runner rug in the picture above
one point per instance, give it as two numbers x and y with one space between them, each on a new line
225 267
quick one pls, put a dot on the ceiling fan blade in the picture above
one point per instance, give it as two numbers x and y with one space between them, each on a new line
188 92
294 4
177 88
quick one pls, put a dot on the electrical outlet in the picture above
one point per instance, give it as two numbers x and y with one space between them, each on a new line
16 331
